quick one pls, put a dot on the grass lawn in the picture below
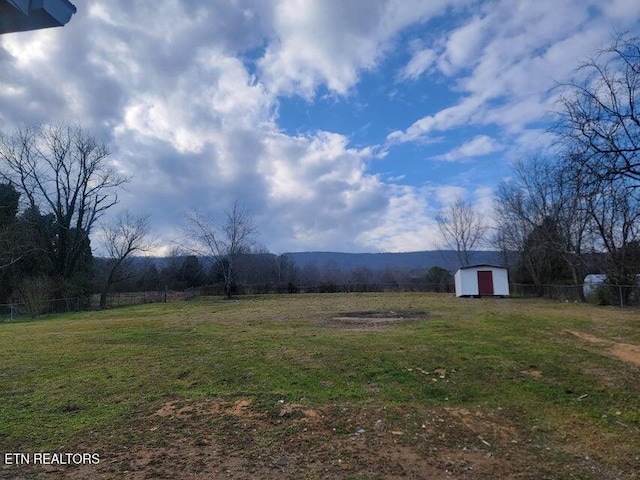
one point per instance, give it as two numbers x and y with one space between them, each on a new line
376 385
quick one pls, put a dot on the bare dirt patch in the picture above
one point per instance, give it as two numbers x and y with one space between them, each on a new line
243 439
623 351
627 352
375 320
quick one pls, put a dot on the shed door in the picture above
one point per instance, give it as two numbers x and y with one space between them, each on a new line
485 282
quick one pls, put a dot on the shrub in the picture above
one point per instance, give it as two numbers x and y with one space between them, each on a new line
34 295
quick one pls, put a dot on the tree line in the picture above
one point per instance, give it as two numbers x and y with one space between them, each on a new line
263 272
57 182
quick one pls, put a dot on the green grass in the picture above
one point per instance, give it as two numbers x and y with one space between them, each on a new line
65 376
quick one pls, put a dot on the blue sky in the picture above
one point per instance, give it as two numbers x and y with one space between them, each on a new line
341 125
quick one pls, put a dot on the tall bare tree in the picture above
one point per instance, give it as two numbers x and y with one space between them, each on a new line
222 244
61 171
541 213
462 229
554 211
599 125
599 114
122 238
615 213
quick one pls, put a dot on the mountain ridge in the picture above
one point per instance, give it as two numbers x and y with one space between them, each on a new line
447 259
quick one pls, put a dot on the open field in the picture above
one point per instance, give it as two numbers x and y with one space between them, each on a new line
388 385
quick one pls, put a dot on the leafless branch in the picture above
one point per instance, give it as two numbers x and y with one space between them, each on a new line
63 171
125 236
462 229
222 244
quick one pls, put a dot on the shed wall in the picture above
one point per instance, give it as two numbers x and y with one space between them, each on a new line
466 281
500 282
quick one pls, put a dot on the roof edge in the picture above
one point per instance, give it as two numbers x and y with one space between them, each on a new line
467 267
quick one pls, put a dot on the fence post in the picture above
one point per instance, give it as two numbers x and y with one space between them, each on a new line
621 297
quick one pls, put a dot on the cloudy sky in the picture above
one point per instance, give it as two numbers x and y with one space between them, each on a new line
342 125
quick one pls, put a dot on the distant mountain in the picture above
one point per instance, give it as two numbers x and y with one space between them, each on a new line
446 259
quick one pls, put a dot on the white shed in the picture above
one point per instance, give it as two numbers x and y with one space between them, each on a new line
592 282
482 280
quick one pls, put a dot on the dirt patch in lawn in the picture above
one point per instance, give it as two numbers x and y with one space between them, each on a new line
623 351
245 439
375 320
533 373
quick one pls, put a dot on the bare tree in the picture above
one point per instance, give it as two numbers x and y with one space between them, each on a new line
552 212
615 212
462 229
542 214
287 271
512 222
61 171
125 236
222 244
310 275
599 117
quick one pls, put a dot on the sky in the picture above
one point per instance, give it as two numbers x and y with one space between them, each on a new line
340 125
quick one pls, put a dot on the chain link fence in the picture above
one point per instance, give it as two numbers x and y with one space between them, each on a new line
18 311
330 287
599 294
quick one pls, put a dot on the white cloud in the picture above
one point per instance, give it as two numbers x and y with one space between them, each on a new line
445 119
319 190
484 203
620 9
419 63
477 147
463 46
505 60
331 42
406 225
214 91
448 194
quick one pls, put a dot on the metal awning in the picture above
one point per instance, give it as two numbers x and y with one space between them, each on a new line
24 15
